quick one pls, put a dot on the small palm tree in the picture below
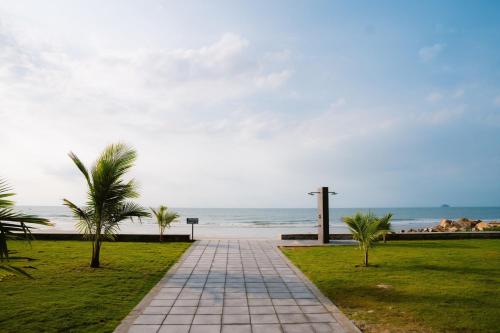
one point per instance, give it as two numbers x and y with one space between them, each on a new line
164 218
367 229
385 225
13 225
108 194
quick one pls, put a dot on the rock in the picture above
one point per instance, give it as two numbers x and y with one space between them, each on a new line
462 224
445 223
438 228
481 226
484 226
465 223
384 286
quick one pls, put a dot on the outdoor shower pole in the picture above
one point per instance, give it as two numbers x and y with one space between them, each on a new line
323 216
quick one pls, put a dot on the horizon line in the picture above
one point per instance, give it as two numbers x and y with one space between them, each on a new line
359 207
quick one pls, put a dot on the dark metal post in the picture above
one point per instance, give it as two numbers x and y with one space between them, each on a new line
323 216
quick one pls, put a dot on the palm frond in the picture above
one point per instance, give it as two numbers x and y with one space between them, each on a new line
385 222
83 216
14 224
79 164
5 193
129 210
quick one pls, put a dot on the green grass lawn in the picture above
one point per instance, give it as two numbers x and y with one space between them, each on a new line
413 286
68 296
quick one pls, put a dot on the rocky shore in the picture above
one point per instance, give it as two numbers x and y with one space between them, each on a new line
462 224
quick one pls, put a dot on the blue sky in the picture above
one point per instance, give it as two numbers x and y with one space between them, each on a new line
253 104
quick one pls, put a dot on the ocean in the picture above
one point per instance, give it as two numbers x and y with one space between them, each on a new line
267 223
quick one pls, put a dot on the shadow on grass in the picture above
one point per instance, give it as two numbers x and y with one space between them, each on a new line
418 268
22 258
412 299
454 270
429 245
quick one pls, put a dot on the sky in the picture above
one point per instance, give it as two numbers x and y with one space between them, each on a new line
255 103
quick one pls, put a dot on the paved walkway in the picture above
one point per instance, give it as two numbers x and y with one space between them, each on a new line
235 286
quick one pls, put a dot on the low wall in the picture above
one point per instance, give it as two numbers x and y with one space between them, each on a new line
119 237
405 236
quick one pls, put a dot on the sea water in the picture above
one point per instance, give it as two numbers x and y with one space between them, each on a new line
267 223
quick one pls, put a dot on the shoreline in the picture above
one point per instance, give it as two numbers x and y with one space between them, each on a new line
168 238
264 223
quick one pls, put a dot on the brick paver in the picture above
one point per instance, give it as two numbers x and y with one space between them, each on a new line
236 286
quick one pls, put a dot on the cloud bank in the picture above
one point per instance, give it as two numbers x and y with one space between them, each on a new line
233 120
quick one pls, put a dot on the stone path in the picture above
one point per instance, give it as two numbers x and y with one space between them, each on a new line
235 286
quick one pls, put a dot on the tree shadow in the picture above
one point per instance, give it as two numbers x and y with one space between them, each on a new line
393 295
430 245
451 269
21 258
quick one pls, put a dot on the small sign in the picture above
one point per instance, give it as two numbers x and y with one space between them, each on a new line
192 220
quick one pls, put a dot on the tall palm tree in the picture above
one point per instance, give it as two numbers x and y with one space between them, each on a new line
107 196
13 225
367 229
164 218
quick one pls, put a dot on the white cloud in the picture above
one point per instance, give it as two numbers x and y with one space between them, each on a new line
441 116
458 93
335 126
185 103
209 115
159 80
273 80
340 102
434 97
278 56
428 53
496 101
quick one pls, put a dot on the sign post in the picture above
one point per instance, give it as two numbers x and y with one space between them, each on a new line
192 221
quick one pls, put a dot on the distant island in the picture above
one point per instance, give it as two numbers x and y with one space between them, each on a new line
445 206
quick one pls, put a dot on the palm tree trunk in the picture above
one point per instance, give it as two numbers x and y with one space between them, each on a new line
4 252
96 249
366 257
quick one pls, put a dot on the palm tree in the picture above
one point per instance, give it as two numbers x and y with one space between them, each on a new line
164 218
13 225
385 225
107 196
367 229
